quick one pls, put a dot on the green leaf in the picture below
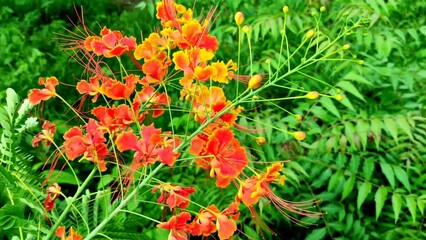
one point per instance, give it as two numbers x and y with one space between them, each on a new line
404 125
376 128
336 178
402 176
348 186
391 128
380 198
396 205
368 168
412 207
388 172
350 88
328 104
357 78
295 165
12 100
421 202
363 192
317 234
362 128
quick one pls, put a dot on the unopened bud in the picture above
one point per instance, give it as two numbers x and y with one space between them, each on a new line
239 18
310 34
339 97
255 97
312 95
285 9
260 141
346 46
299 135
313 13
298 117
246 29
323 9
255 81
361 62
268 61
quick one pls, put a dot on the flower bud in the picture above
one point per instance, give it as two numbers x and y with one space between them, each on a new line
323 9
255 81
239 18
268 61
299 135
312 95
246 29
346 46
339 97
298 117
285 9
310 34
361 62
260 141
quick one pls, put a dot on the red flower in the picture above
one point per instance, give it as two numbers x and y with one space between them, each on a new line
119 117
177 226
174 196
73 235
91 88
53 193
117 90
91 145
149 98
46 134
37 95
229 158
110 44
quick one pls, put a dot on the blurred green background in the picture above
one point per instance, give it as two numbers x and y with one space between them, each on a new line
364 158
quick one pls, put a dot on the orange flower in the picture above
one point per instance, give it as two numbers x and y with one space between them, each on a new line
46 134
149 98
116 117
117 90
177 226
110 44
152 47
73 235
174 196
53 192
91 145
151 148
91 88
37 95
155 71
203 223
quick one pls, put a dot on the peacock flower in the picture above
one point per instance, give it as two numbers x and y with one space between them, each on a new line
174 196
37 95
46 134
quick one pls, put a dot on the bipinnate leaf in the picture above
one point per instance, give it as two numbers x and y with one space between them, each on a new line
396 205
363 192
380 198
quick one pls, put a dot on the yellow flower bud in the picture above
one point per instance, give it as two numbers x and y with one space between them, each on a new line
346 46
285 9
298 117
255 81
260 141
310 34
361 62
299 135
246 29
255 97
312 95
239 18
268 61
323 9
339 97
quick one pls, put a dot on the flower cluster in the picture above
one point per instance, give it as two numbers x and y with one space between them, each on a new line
126 106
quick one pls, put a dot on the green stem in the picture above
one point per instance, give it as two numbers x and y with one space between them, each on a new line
69 205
